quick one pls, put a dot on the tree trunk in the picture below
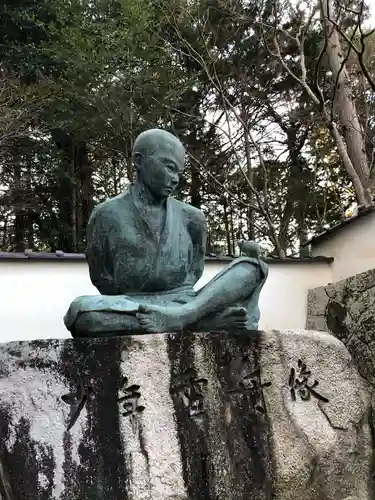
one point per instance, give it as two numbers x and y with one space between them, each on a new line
65 199
4 239
233 238
362 194
73 212
114 177
30 211
195 188
75 191
65 194
297 195
30 231
344 103
85 169
19 223
250 194
304 250
227 226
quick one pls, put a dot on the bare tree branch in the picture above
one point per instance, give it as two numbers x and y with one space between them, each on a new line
215 81
343 63
350 41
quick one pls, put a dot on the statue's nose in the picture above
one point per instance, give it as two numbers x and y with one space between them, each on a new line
174 181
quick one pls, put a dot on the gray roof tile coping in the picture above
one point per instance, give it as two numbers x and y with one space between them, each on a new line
332 230
62 256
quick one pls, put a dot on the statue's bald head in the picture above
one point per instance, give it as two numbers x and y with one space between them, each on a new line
152 140
159 158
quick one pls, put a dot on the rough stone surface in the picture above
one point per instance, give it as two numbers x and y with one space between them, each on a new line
190 416
346 309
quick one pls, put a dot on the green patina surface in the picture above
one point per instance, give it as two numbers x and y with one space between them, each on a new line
146 252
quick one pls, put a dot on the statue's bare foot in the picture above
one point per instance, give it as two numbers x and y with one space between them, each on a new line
232 318
157 319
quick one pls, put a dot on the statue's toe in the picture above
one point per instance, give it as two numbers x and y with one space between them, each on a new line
145 323
143 309
239 311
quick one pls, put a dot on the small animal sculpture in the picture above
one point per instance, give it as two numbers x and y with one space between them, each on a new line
249 248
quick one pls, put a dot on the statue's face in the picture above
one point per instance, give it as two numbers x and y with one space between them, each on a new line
160 170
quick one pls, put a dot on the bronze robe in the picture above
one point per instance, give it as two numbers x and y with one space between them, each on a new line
126 256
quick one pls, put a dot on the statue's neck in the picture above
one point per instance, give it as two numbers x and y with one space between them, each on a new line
144 196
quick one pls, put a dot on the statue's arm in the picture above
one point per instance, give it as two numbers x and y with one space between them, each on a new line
198 233
98 255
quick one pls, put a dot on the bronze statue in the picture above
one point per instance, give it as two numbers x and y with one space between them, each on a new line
146 252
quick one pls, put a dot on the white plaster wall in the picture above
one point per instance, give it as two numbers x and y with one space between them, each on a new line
283 300
35 295
352 247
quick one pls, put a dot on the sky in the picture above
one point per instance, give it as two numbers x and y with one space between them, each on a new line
372 11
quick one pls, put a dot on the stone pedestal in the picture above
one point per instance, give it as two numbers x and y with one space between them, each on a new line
262 415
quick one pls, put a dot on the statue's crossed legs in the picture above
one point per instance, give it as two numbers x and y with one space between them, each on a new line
228 301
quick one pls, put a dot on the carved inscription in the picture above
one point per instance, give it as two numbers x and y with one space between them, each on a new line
77 402
192 390
224 359
129 401
252 386
299 384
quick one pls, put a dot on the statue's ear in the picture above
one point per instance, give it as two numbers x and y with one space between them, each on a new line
138 160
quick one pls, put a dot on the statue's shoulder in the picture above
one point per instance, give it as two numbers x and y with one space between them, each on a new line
111 207
192 215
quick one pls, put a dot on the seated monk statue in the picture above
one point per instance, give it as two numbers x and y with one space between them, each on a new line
146 251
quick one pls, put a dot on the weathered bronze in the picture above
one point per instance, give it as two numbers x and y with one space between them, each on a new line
146 252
